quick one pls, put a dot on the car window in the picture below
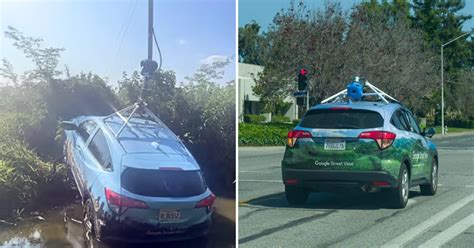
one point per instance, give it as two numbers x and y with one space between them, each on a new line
100 150
400 121
86 129
341 119
413 124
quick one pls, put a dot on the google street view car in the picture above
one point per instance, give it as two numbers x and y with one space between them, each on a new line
137 180
366 141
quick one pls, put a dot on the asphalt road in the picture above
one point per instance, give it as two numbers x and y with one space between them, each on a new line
357 219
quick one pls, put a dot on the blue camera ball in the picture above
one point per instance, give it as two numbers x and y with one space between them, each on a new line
355 91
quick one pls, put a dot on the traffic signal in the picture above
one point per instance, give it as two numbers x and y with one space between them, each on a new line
302 78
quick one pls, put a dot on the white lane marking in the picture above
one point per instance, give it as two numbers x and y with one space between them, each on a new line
469 186
265 172
258 181
450 233
440 185
413 232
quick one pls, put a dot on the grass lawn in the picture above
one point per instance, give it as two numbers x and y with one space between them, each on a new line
453 129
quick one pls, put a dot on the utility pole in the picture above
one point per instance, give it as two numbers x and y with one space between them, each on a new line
150 29
443 131
148 65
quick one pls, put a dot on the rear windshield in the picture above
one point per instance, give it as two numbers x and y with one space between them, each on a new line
163 183
341 119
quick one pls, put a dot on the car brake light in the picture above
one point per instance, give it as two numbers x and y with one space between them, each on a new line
381 184
383 139
122 201
291 181
295 134
206 202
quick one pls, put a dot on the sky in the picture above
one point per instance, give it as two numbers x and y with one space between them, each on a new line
108 37
263 11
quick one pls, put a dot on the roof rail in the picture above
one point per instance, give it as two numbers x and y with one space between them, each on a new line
342 95
139 108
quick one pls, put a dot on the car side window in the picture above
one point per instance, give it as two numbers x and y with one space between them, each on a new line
413 124
86 129
399 120
99 148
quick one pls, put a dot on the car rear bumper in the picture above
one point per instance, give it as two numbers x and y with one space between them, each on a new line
324 180
145 233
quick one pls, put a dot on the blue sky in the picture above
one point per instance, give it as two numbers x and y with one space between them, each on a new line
108 37
263 11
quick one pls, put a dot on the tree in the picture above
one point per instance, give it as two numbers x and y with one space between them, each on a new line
45 59
441 21
251 44
374 41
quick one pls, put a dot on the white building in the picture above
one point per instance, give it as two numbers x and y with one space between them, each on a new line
249 103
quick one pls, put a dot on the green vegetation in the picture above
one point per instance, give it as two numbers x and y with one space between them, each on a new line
270 134
281 119
254 118
453 130
201 112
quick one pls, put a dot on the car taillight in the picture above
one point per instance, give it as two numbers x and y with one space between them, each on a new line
122 201
294 135
381 184
383 139
206 202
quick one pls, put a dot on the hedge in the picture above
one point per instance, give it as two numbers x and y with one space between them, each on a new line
254 118
281 119
270 134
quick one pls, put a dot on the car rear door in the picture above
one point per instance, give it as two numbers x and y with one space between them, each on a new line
420 151
98 164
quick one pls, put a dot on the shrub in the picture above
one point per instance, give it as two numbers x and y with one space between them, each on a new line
23 175
281 119
270 134
254 118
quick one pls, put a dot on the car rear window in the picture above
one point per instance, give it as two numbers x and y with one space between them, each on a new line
342 119
163 183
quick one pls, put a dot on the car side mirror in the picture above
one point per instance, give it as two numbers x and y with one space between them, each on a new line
68 125
429 132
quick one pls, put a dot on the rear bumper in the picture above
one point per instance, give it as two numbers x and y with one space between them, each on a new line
145 233
324 180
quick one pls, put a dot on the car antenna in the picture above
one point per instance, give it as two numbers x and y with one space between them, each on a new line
355 92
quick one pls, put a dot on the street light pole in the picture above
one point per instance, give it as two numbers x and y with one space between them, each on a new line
443 131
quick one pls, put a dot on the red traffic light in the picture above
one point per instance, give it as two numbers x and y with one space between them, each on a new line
303 72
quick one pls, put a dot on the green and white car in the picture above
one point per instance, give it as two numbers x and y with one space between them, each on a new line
371 146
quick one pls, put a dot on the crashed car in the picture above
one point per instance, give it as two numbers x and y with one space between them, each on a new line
137 180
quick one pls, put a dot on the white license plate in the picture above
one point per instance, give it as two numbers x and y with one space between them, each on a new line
334 145
169 215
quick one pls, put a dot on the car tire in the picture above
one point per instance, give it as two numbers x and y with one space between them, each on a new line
88 224
431 187
295 195
400 194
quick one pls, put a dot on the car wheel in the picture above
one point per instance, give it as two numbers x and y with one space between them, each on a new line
431 187
295 195
88 225
400 194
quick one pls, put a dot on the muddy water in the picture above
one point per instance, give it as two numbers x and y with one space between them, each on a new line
61 227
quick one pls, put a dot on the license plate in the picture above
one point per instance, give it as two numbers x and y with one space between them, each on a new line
334 145
169 215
